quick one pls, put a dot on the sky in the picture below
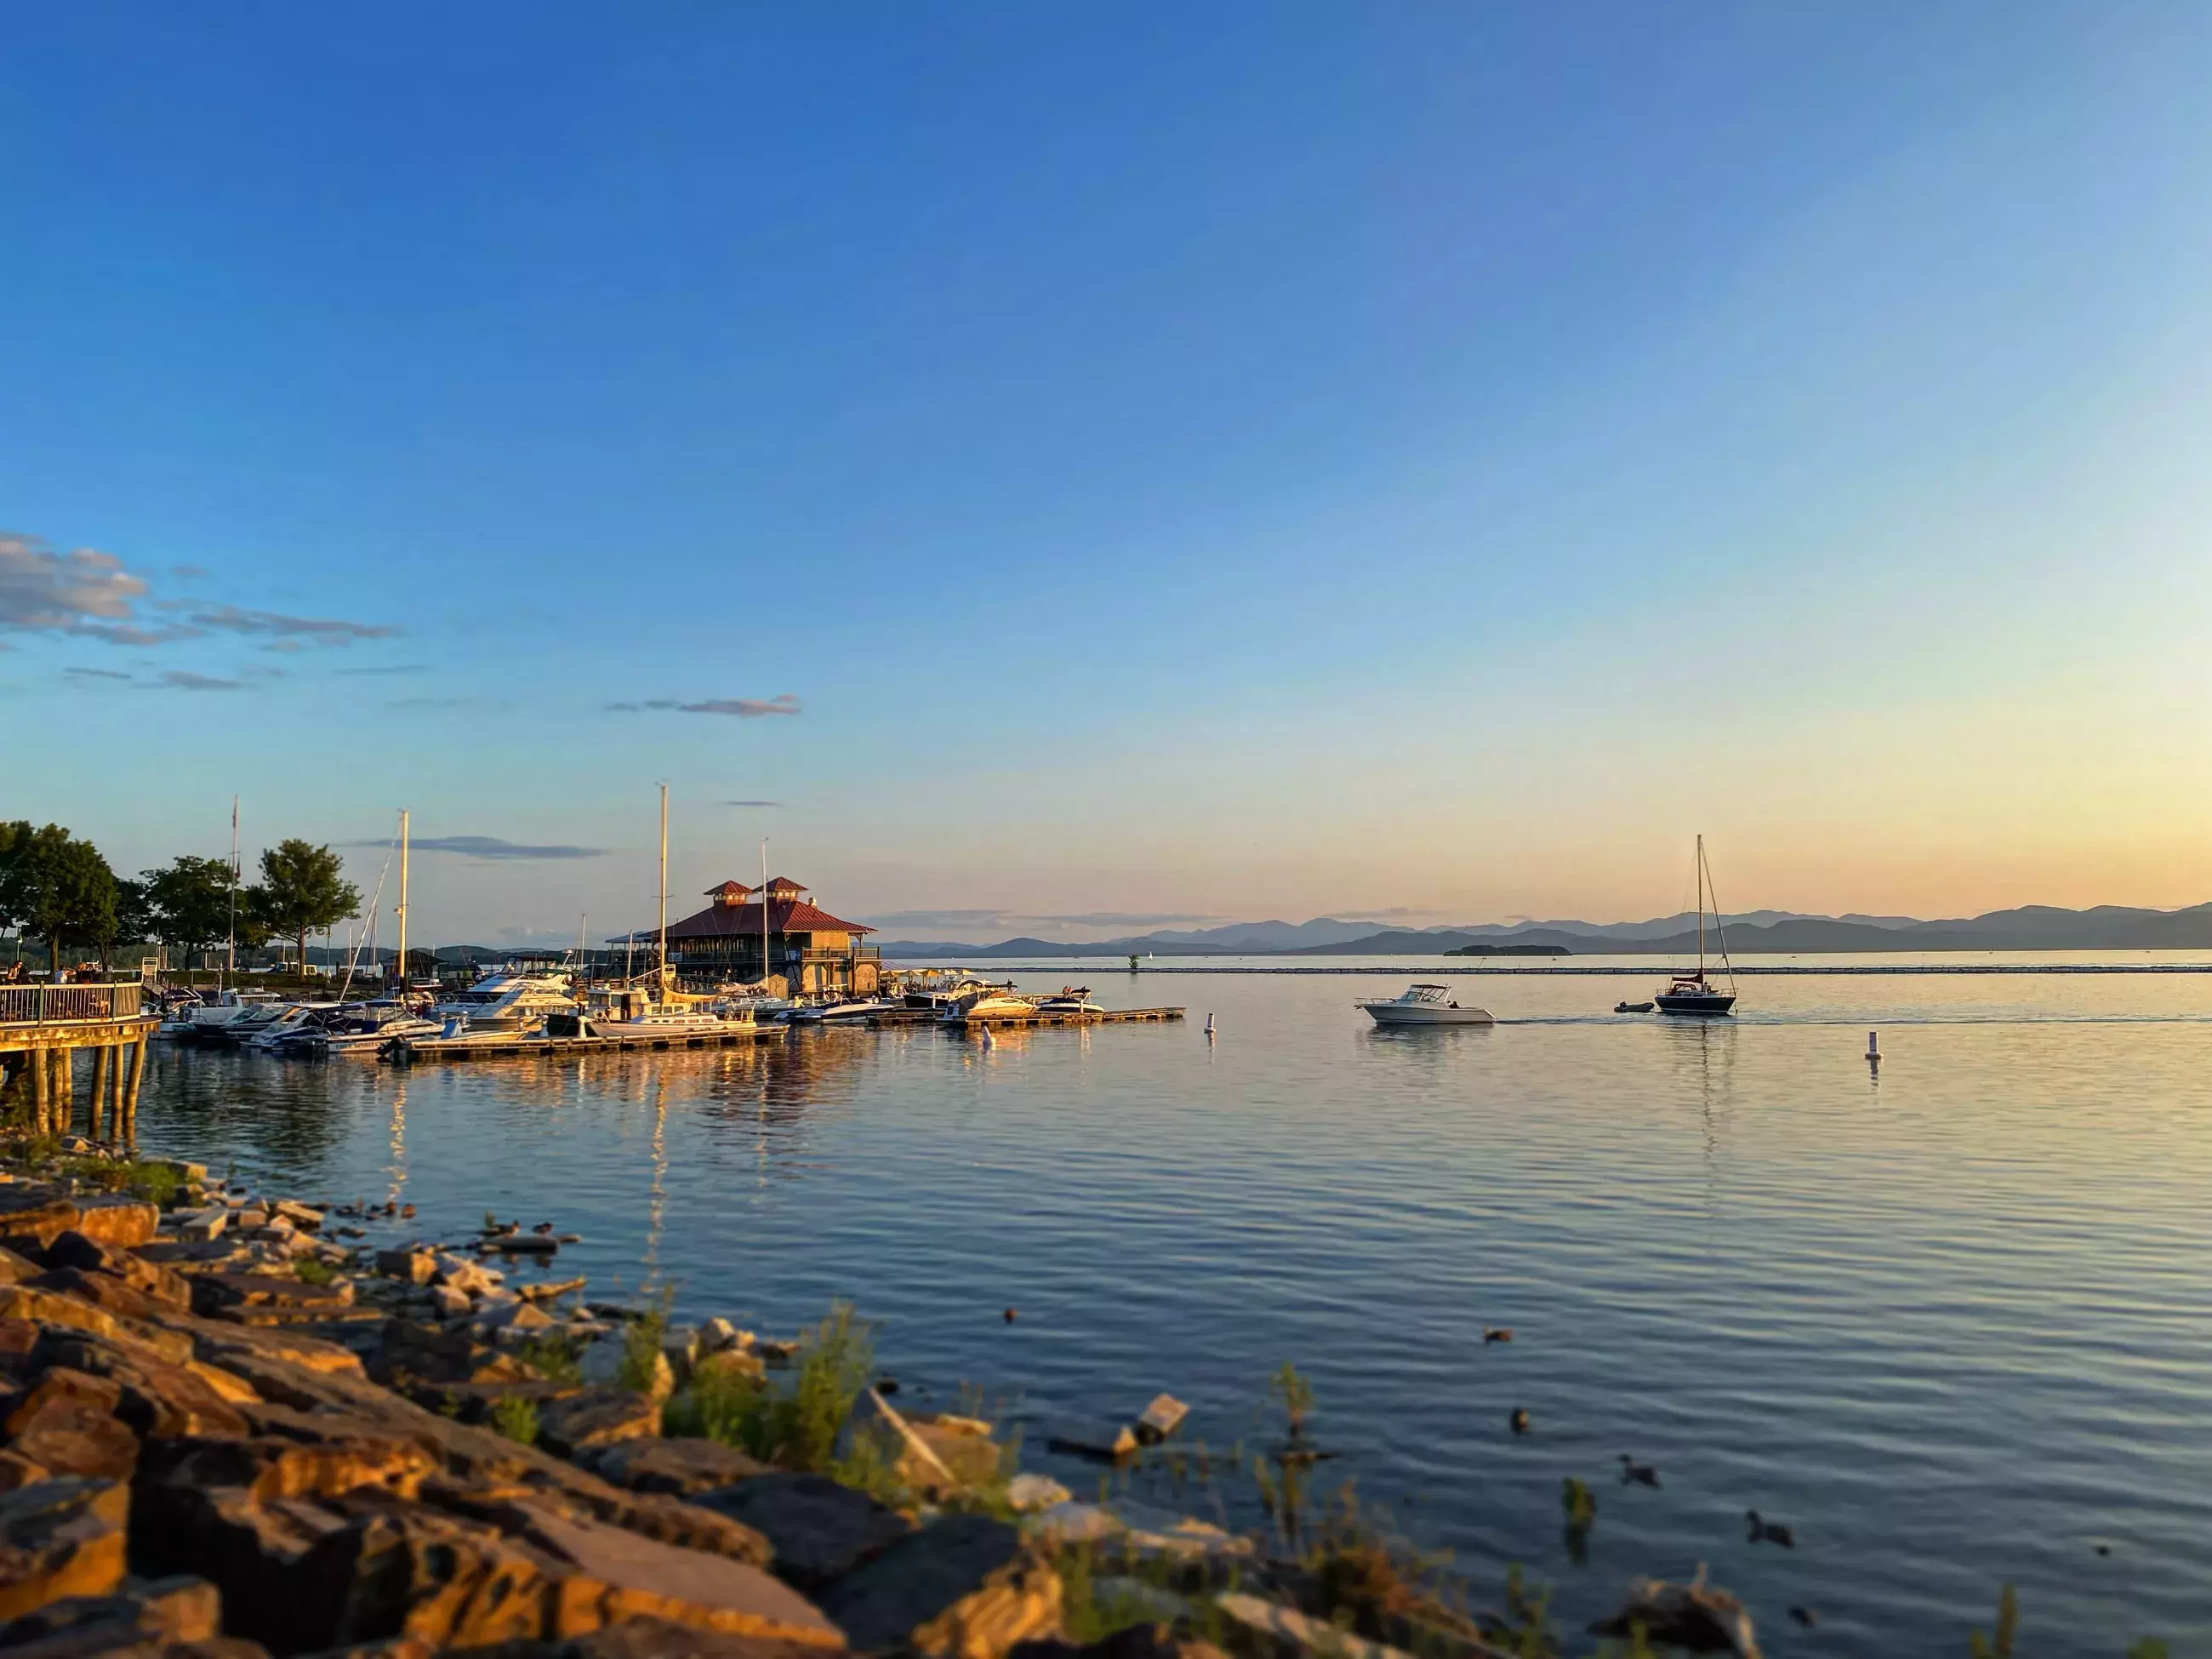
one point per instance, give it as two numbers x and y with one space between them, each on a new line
1068 469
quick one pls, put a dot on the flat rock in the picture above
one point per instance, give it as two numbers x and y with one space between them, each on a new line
411 1266
32 1216
644 1579
678 1467
59 1538
819 1529
14 1268
159 1398
117 1219
596 1417
218 1294
965 1587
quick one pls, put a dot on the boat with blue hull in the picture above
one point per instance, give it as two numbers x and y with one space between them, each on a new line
1693 992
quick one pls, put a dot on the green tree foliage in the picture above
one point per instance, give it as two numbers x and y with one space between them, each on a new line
191 902
303 887
57 887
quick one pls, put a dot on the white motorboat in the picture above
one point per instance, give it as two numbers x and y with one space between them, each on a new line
1068 1000
839 1014
361 1026
292 1020
990 1002
938 988
217 1012
504 1003
1423 1005
655 1008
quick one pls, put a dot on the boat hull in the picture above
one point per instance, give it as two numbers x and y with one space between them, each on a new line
1403 1013
1694 1002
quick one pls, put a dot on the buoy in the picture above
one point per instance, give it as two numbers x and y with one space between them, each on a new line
989 1041
1209 1025
1873 1047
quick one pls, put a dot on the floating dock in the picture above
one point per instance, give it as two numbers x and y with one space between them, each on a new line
408 1050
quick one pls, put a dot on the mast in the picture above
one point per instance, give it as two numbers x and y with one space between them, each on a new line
764 915
664 885
1701 907
400 910
230 948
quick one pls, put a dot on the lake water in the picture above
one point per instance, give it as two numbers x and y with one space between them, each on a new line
1950 1323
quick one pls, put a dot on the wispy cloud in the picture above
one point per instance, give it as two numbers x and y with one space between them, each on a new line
491 847
177 679
449 702
96 673
189 573
1394 912
752 803
84 592
321 630
745 708
391 668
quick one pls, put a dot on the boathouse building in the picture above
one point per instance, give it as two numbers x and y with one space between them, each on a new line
813 951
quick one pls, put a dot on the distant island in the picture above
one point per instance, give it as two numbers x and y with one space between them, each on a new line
2031 927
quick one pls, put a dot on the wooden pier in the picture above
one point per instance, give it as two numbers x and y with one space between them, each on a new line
405 1051
42 1027
1085 1017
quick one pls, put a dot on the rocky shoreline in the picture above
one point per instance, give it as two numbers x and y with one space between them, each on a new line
239 1425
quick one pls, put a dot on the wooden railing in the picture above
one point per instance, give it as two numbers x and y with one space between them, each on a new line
61 1005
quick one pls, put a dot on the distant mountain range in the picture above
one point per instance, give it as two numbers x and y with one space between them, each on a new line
2032 928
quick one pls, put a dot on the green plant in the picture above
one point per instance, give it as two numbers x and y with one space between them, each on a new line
1295 1394
313 1270
795 1425
642 1343
158 1183
516 1418
2149 1648
1998 1646
555 1357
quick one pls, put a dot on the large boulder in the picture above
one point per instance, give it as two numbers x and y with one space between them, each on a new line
14 1268
66 1423
150 1615
965 1587
159 1398
678 1466
819 1529
103 1290
74 1250
58 1538
118 1219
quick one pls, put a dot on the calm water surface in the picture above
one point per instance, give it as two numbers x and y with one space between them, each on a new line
1950 1323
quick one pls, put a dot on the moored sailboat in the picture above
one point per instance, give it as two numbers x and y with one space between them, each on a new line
1692 993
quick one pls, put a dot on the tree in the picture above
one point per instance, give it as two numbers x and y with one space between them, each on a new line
57 886
192 903
303 887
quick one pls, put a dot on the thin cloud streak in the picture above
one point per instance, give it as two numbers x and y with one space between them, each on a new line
745 708
491 849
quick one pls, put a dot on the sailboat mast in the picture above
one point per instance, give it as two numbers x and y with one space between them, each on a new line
230 948
402 906
763 913
664 884
1701 907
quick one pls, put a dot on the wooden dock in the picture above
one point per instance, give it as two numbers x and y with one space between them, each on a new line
41 1028
1088 1016
406 1051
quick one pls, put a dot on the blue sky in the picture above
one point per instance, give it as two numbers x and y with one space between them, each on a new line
1176 462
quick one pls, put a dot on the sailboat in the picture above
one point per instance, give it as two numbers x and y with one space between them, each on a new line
1691 994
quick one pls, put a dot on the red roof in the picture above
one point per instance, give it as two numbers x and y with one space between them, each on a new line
743 921
730 892
783 887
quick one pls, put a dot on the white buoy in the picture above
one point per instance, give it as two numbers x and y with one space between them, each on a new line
989 1041
1209 1025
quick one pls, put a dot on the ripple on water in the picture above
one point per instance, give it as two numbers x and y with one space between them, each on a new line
1948 1323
